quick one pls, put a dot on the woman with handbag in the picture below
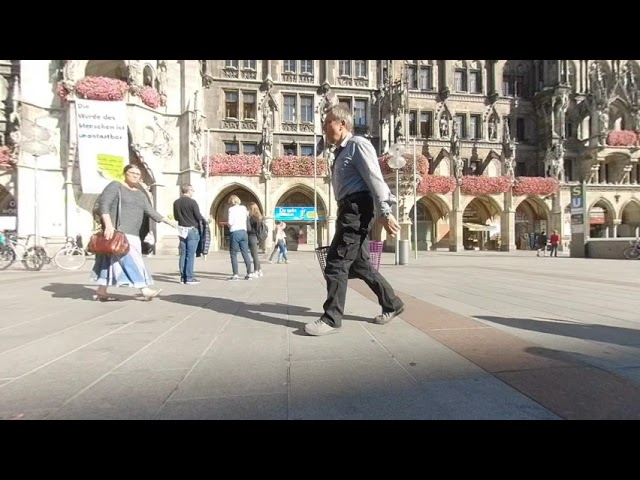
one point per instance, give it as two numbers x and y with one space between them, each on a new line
118 249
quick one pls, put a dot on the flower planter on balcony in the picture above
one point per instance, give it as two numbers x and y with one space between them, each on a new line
481 185
234 164
294 166
622 138
422 164
150 97
542 186
7 158
101 88
440 184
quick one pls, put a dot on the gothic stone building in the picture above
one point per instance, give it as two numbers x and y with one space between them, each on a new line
499 143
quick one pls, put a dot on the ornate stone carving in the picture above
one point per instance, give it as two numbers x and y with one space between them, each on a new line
162 80
249 125
134 74
306 78
493 127
361 82
207 79
444 124
306 127
268 106
289 127
230 72
230 124
289 77
249 74
345 81
69 77
554 162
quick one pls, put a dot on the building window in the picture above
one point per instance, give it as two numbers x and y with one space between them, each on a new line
475 127
413 116
474 167
290 149
249 105
568 169
412 80
425 79
250 148
306 109
521 169
515 80
289 114
460 80
231 148
231 63
475 81
360 113
306 150
306 67
231 104
249 64
344 68
361 68
460 126
520 130
346 102
290 66
426 124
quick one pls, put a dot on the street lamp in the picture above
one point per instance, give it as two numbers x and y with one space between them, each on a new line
396 162
33 140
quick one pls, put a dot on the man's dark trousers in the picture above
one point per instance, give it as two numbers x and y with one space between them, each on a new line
348 257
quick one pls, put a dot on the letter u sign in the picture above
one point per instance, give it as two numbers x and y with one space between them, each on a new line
576 202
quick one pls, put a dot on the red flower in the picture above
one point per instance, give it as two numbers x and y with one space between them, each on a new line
150 97
101 88
293 166
234 164
62 91
7 157
622 138
535 186
422 164
441 184
481 185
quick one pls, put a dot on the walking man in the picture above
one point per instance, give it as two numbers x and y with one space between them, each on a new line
187 214
362 193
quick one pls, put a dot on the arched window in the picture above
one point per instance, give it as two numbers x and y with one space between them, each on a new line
147 76
515 79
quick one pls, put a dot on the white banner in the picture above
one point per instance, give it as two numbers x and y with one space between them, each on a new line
103 144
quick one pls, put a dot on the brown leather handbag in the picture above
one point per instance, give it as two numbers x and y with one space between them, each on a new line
118 245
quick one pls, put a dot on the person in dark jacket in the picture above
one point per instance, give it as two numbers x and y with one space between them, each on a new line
541 244
255 223
187 213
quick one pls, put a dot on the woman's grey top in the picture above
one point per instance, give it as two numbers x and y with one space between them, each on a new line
135 204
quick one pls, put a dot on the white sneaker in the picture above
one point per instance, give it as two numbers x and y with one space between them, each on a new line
234 277
259 273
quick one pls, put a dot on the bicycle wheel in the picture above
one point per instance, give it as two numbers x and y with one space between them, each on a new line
7 257
631 253
35 258
70 258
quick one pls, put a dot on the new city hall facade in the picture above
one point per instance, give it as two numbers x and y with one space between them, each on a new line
498 143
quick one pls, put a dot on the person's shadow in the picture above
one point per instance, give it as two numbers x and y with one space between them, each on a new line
253 311
79 292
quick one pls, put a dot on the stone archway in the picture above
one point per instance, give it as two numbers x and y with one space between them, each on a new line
629 220
481 224
531 217
219 210
601 219
431 231
295 208
106 68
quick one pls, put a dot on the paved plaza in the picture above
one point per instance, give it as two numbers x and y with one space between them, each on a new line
485 335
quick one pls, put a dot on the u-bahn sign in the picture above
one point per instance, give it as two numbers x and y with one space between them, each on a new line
577 208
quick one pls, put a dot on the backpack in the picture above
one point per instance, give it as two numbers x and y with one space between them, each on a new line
263 231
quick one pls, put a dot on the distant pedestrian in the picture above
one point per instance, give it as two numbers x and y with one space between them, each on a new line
238 239
541 244
187 213
555 240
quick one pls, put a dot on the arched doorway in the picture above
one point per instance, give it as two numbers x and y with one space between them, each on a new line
601 216
219 211
430 209
295 208
630 220
531 218
481 224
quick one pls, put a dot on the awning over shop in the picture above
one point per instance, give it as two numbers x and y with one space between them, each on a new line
476 227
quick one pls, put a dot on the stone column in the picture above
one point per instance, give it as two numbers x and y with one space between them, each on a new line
455 223
508 224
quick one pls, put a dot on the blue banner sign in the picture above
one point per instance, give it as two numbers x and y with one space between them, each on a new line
297 214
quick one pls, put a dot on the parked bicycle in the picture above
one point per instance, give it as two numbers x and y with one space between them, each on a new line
33 258
70 256
632 252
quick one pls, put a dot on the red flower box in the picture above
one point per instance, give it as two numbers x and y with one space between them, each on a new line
441 184
150 97
422 164
234 164
542 186
481 185
7 158
101 88
622 138
294 166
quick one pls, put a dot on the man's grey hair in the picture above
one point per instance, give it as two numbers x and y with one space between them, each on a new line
342 114
185 187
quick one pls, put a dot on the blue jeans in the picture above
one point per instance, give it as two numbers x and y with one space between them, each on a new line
188 247
239 240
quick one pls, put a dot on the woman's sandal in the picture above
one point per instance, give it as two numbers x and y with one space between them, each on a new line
104 298
152 294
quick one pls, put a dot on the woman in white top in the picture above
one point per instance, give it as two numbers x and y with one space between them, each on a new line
238 239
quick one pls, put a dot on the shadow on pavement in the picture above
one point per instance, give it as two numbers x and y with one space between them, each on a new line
254 311
82 292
